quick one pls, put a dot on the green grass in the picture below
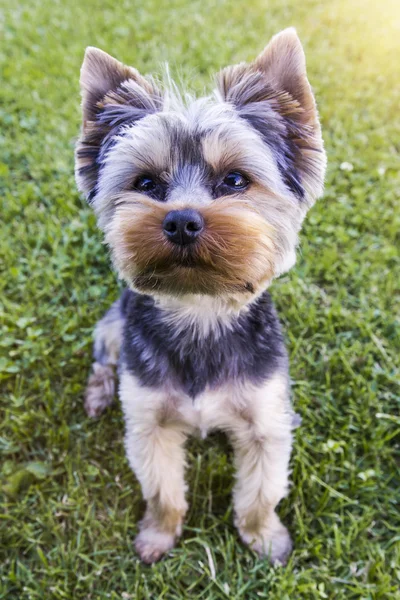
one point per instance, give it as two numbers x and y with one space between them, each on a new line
69 502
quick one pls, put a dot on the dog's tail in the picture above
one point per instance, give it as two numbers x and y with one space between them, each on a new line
107 344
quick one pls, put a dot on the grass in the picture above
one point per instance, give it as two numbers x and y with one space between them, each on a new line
69 502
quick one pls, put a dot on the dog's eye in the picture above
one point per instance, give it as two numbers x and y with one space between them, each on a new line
144 184
236 181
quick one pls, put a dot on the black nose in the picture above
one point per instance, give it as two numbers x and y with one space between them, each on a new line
182 227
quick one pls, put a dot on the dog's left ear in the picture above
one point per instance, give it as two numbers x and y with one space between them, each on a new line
274 96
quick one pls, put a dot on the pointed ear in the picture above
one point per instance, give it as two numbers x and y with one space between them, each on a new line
101 74
284 64
273 94
113 95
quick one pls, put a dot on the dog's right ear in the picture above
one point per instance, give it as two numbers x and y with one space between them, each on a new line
113 95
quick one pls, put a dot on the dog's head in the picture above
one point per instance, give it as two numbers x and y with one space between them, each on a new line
201 196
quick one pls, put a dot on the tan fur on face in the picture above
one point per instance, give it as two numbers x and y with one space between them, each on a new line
234 253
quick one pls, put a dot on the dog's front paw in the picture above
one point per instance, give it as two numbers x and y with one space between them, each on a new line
151 544
271 541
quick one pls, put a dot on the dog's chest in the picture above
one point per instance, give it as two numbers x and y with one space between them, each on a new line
158 351
208 411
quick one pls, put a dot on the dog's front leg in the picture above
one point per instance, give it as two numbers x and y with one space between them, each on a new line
262 442
154 445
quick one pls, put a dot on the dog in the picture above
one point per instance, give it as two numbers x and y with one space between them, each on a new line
201 202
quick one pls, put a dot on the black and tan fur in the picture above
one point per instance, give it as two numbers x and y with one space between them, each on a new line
195 337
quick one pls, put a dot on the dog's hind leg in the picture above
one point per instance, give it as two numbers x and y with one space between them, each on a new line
100 388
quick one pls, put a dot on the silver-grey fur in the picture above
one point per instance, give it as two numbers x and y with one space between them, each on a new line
196 339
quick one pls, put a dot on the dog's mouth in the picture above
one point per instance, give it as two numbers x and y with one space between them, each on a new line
187 260
182 272
187 272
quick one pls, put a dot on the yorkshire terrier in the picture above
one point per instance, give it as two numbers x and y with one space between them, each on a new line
201 202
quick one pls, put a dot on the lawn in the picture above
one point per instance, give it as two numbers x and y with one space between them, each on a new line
69 502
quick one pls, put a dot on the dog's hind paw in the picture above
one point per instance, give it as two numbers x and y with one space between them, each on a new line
100 389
